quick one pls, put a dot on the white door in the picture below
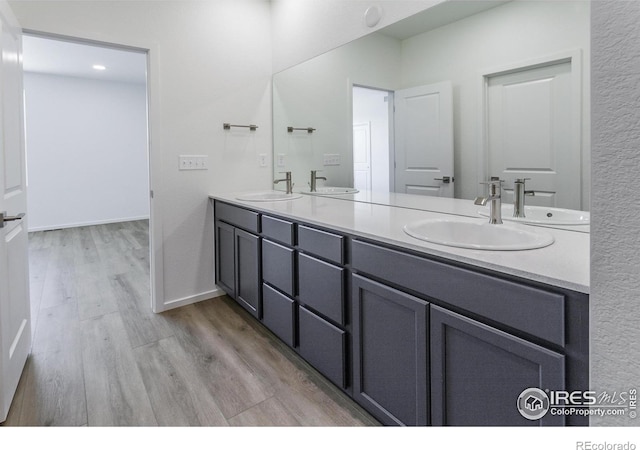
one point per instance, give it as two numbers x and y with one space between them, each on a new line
362 156
533 127
15 322
424 140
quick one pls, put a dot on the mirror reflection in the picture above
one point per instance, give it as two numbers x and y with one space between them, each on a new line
439 102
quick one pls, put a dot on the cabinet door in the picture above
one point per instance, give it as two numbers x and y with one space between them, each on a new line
390 353
225 258
323 345
321 287
279 314
478 373
248 277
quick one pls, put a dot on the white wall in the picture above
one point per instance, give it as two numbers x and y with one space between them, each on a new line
86 151
210 64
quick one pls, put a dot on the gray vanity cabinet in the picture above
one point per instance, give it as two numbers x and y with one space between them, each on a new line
238 269
489 338
415 339
390 365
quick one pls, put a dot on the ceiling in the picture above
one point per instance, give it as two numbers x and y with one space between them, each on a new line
59 57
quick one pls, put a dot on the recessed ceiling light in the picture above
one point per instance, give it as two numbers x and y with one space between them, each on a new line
99 67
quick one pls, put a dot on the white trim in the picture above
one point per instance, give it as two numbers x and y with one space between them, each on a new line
575 58
86 224
208 295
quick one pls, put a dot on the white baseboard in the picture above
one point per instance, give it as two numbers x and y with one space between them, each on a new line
85 224
171 304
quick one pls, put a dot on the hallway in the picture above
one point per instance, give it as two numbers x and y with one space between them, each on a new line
100 357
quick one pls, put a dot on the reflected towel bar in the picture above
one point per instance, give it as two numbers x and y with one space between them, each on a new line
227 126
308 129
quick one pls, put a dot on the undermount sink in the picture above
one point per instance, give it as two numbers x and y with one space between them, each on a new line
543 215
329 190
268 196
477 235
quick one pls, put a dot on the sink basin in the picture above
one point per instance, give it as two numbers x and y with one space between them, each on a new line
478 235
329 190
543 215
268 196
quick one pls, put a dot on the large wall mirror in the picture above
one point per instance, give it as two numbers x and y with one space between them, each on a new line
439 102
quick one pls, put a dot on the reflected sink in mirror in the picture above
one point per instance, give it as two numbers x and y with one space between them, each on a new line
543 215
330 190
267 196
478 235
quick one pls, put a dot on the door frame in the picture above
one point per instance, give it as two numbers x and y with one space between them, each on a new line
392 152
156 281
574 57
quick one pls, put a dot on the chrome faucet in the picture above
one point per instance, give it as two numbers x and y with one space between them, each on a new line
288 180
495 199
519 193
314 179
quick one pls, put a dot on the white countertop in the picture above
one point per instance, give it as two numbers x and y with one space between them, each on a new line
565 263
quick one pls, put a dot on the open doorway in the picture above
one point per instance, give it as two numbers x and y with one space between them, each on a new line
86 121
372 115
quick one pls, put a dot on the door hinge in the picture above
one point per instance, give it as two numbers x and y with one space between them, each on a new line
151 194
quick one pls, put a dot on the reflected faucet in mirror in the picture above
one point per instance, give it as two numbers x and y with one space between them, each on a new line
519 192
314 180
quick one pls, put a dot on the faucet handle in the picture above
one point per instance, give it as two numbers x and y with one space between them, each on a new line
494 180
521 180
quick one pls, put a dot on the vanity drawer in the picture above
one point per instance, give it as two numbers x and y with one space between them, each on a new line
321 243
278 230
321 287
278 314
323 345
532 310
278 264
242 218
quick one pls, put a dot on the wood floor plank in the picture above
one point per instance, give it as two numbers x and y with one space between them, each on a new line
269 413
116 395
54 393
59 285
179 397
38 263
134 302
95 295
234 385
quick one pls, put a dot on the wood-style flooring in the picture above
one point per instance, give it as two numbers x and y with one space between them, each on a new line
100 357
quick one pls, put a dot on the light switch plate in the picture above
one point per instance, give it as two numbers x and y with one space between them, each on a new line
262 160
281 159
331 159
193 162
